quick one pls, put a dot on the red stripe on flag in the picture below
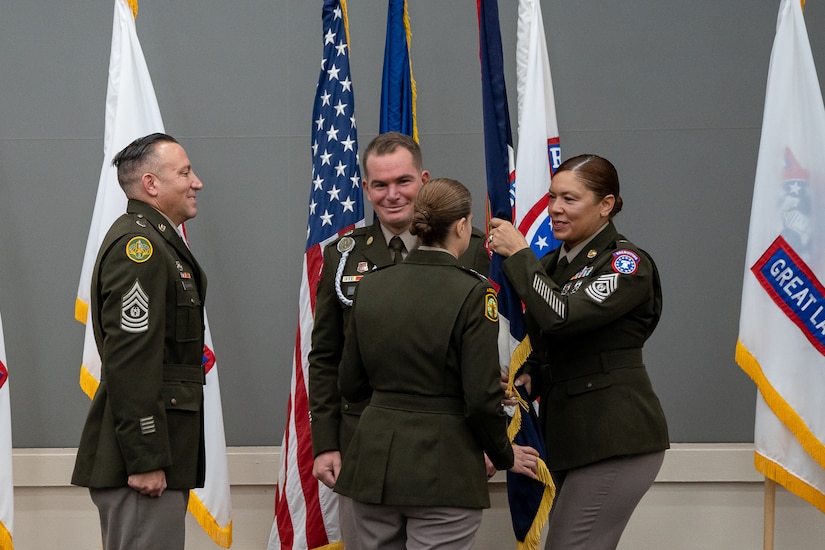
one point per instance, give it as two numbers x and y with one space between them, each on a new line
315 536
282 515
537 210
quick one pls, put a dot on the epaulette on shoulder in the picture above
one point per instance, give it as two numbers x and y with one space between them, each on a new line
381 267
622 242
352 233
471 271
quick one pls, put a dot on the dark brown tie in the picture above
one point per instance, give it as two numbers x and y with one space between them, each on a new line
397 247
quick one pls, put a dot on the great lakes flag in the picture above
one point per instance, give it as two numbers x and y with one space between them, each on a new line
131 112
398 91
6 478
782 324
306 511
530 500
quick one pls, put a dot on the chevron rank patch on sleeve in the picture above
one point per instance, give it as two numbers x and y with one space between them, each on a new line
600 289
134 311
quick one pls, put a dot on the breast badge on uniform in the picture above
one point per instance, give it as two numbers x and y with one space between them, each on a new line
139 249
491 306
345 244
625 262
134 310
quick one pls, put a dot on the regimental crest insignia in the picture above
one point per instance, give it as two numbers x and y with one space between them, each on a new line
625 262
491 306
601 289
139 249
134 311
345 244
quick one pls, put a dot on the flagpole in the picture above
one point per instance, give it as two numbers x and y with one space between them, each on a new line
770 514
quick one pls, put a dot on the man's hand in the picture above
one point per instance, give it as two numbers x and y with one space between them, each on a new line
326 467
151 484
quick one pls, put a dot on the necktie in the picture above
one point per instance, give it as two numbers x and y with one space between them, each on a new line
560 267
397 247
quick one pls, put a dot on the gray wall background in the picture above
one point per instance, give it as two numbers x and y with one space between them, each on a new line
671 92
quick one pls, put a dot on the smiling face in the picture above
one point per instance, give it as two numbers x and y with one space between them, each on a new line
575 211
392 183
173 184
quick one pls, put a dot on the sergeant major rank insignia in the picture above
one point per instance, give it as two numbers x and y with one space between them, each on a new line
134 310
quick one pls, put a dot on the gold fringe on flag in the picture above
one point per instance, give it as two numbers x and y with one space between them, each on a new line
5 537
781 408
134 5
346 22
797 486
81 310
413 89
221 535
533 537
88 383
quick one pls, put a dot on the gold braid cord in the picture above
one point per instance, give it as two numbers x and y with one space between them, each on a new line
533 538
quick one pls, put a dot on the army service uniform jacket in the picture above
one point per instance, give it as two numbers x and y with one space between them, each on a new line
147 313
334 418
587 324
422 344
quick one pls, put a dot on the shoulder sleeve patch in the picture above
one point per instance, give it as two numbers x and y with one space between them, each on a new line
139 249
491 305
625 262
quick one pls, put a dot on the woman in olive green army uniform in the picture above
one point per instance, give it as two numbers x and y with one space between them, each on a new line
421 344
590 306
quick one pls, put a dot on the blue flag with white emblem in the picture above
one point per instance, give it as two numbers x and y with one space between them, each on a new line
529 499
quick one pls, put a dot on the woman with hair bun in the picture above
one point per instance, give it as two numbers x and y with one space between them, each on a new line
590 306
415 468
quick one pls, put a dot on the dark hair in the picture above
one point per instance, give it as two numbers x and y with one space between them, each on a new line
135 156
384 144
439 204
598 175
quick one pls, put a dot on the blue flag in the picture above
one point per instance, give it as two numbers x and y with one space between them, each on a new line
397 83
529 499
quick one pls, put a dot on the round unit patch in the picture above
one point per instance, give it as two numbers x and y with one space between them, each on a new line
139 249
491 306
625 262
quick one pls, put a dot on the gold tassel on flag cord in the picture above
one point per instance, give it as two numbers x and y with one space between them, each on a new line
533 537
413 90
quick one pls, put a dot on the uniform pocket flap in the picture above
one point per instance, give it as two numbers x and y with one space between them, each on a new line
589 383
184 397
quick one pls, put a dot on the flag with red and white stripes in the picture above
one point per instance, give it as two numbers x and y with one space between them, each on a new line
306 511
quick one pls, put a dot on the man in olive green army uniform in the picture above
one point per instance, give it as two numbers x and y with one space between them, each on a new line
393 174
142 447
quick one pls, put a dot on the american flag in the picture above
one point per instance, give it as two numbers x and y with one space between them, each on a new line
306 514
